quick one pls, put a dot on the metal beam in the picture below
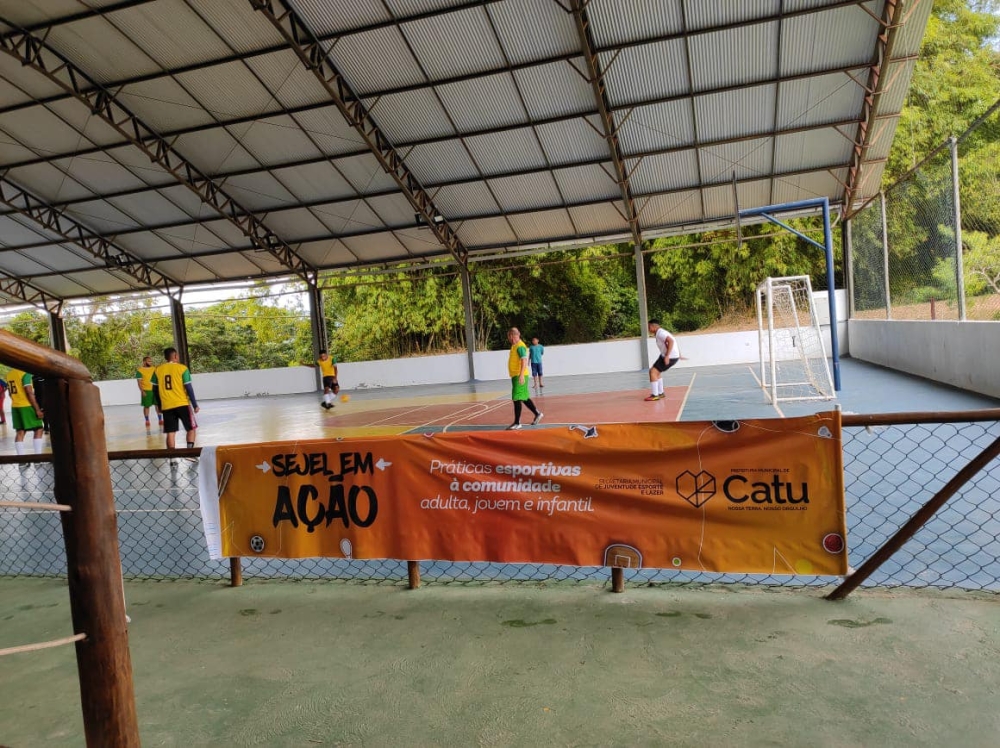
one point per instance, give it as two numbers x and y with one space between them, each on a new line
21 290
35 53
453 183
877 83
335 36
290 111
315 57
55 221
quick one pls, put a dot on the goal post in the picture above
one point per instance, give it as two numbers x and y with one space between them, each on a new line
793 362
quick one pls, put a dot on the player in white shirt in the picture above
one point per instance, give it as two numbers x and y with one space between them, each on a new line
669 355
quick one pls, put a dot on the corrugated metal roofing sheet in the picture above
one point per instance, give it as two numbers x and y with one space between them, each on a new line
228 91
740 55
326 16
315 182
245 32
805 186
668 171
814 149
655 127
419 241
482 102
28 12
675 209
213 150
413 115
719 202
376 60
881 139
260 191
348 216
595 220
748 158
149 208
618 21
413 7
104 52
147 245
232 265
375 247
278 140
459 43
163 105
440 162
295 225
287 79
365 173
28 81
472 199
555 90
705 14
19 265
580 184
47 182
13 232
330 130
393 210
573 140
527 191
843 36
100 172
41 130
647 72
908 38
59 256
745 111
894 94
819 99
170 32
485 232
504 152
533 30
543 225
326 253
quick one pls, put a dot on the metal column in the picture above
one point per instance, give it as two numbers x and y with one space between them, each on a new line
847 240
959 264
179 325
57 332
885 257
317 323
470 320
640 287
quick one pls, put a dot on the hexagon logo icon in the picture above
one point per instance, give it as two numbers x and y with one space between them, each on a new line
696 488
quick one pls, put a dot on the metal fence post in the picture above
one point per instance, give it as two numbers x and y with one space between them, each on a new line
959 266
885 256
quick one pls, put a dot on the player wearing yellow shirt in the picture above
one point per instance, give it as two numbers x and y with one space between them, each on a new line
26 414
174 392
517 368
328 369
144 378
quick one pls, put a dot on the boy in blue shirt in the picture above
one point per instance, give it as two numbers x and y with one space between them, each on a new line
535 352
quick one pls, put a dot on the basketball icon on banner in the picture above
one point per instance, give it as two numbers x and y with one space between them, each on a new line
622 556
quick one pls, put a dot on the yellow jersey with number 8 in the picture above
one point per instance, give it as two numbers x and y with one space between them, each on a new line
16 382
170 379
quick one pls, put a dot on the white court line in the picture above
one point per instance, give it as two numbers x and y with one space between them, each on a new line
688 392
489 409
761 385
397 415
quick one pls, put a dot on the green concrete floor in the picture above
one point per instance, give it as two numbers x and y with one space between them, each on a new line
312 663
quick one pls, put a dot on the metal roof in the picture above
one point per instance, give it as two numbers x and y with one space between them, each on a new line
163 143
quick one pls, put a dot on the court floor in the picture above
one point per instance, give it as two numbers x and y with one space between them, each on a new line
692 393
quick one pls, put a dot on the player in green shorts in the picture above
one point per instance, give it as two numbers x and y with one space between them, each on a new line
517 367
144 378
26 415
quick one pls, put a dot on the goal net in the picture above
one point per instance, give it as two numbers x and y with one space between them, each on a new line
793 363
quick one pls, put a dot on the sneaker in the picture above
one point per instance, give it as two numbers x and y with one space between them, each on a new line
515 427
538 419
650 398
325 406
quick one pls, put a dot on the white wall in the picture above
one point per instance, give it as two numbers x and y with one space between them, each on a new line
589 358
962 354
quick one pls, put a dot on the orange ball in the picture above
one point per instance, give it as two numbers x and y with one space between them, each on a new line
344 398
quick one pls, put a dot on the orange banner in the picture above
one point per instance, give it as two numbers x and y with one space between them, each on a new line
727 496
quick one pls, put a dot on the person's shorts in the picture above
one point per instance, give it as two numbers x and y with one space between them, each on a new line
25 419
519 391
175 416
330 383
148 399
661 366
536 369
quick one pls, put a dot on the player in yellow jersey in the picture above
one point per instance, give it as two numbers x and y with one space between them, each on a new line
174 393
328 368
517 368
26 414
144 378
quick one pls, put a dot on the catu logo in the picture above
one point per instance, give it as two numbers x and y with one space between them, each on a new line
738 489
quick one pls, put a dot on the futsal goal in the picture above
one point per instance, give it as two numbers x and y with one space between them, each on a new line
793 363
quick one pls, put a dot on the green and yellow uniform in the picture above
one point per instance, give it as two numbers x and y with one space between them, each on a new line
515 366
327 368
24 416
169 380
145 376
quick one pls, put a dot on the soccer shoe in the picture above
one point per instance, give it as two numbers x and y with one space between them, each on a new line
650 398
325 406
515 427
538 419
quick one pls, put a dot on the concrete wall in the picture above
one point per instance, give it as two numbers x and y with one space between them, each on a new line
962 354
590 358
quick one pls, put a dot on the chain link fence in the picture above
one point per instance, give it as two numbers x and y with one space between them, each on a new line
911 269
889 472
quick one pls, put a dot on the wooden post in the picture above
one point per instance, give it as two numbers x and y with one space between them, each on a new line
413 572
83 480
235 572
933 310
617 579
